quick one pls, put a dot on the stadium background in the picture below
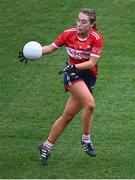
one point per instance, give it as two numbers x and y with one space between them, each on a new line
32 95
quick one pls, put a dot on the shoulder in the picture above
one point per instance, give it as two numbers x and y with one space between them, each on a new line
97 38
96 35
70 31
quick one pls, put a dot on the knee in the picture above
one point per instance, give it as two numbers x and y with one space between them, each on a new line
90 106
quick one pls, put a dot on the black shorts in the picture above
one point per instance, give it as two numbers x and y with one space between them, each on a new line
83 75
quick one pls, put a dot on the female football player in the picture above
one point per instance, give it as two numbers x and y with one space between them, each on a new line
83 45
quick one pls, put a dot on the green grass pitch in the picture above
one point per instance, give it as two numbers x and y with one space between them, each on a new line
32 95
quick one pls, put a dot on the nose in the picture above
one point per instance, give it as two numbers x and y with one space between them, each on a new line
79 24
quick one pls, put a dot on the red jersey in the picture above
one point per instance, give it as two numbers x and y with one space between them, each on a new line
80 50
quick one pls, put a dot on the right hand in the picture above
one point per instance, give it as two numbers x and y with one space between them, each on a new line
21 57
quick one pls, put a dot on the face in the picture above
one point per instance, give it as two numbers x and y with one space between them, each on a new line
83 24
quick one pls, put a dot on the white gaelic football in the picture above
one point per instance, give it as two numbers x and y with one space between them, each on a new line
32 50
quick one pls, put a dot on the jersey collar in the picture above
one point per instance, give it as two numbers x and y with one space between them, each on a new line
84 38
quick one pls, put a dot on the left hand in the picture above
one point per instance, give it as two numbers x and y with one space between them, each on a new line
69 68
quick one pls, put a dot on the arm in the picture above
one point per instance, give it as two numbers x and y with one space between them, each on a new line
71 68
44 49
94 54
59 42
88 64
48 49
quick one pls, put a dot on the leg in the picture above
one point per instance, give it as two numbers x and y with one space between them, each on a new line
73 106
80 97
81 92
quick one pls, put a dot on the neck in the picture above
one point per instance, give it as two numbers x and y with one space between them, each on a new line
84 35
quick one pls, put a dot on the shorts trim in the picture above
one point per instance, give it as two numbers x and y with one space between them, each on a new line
74 82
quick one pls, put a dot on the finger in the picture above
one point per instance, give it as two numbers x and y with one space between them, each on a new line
22 59
21 52
25 61
60 72
20 56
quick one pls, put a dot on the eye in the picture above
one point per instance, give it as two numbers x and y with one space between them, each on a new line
84 21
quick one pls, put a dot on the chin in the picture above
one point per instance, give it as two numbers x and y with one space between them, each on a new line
80 31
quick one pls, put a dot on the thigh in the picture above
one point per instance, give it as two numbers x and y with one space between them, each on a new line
82 93
73 106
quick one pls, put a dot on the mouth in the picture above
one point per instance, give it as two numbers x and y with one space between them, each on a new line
79 29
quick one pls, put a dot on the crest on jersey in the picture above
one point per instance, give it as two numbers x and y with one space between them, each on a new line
88 48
